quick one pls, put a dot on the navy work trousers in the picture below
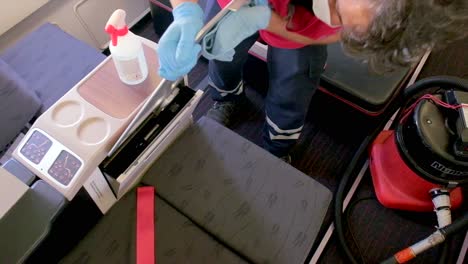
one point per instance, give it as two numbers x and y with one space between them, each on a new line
294 76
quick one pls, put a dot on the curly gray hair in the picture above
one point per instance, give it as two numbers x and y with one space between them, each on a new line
401 31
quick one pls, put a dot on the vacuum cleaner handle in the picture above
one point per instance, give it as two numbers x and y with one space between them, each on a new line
166 87
438 237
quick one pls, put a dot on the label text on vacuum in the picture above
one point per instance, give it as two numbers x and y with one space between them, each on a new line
436 165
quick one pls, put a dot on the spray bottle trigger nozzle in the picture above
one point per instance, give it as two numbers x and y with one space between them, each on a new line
115 33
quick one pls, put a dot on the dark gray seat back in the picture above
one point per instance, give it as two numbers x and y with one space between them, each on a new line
352 81
220 199
178 240
252 201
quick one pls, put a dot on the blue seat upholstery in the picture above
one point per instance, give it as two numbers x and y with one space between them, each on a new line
51 62
41 67
20 171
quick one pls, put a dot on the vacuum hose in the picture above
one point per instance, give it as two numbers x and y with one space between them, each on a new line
409 93
434 239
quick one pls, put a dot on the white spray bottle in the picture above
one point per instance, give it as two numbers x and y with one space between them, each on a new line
126 49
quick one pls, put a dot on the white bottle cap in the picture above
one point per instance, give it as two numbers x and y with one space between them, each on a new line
116 25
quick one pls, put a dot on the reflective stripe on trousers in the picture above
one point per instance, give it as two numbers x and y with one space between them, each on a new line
236 91
276 133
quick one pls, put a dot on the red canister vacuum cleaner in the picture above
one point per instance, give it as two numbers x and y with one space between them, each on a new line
428 150
420 164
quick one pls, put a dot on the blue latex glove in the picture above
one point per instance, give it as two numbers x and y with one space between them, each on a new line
236 26
260 2
177 50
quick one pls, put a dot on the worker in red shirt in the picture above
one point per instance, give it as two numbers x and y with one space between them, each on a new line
296 32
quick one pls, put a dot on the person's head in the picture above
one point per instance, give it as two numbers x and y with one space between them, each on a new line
392 33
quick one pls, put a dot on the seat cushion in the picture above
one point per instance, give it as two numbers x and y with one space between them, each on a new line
51 61
352 80
249 199
28 222
178 240
18 104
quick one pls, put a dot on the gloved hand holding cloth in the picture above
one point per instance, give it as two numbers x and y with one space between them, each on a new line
177 50
236 26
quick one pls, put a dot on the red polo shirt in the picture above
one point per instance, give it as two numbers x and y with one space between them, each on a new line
302 22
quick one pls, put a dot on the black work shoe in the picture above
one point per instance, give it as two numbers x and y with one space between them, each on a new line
286 158
222 112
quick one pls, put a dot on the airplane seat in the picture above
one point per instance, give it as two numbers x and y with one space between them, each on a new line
344 78
352 82
35 72
219 199
26 224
